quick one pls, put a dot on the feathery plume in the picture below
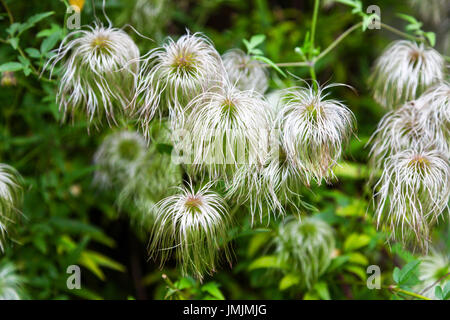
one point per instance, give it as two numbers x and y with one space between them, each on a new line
433 269
175 73
194 224
305 247
10 282
10 199
436 113
404 71
402 128
244 72
314 130
118 158
229 129
98 75
149 184
413 193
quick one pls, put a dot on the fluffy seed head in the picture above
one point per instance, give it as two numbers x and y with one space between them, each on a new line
175 73
98 72
404 71
436 112
413 193
10 199
305 247
228 128
405 127
244 72
118 158
433 269
193 224
10 282
314 130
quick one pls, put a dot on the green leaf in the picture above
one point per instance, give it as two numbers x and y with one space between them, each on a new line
14 42
407 275
49 43
288 281
356 241
105 261
396 275
265 262
358 258
33 53
38 17
408 18
270 63
256 40
184 283
439 293
357 270
322 290
431 36
213 289
11 66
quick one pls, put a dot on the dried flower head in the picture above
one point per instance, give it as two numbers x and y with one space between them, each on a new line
118 158
402 128
436 113
433 269
98 75
269 189
404 71
10 282
244 72
228 128
305 247
10 199
314 130
194 224
175 73
413 193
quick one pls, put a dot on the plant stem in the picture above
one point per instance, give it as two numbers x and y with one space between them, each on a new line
342 37
408 293
401 33
338 40
435 283
313 26
312 70
10 16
